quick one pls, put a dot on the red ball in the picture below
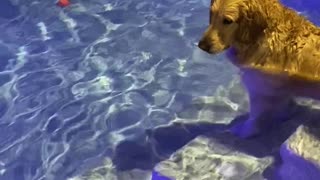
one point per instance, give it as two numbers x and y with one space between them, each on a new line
63 3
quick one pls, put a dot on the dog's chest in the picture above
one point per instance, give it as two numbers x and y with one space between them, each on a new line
267 84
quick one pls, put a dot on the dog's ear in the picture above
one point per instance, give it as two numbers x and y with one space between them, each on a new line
252 22
210 13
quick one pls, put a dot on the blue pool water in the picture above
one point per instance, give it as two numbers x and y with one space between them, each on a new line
75 81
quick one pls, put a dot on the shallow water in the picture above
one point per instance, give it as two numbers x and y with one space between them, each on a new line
75 81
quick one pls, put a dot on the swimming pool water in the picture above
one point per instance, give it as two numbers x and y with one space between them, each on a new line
76 81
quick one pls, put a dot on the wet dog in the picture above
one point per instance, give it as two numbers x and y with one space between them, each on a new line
276 50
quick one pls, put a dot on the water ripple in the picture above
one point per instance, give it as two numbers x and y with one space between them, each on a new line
75 81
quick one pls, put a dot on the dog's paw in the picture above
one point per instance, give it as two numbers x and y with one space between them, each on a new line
246 129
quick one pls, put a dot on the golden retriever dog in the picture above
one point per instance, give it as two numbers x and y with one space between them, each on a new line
276 50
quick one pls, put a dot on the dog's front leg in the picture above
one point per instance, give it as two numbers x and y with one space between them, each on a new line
269 105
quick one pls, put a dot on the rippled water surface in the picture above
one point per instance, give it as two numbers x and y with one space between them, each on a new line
75 81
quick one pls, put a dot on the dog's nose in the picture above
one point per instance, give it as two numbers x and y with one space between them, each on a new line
204 45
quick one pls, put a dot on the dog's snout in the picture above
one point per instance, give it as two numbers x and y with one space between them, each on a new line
204 45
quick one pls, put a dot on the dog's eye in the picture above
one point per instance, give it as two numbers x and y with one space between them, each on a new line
227 21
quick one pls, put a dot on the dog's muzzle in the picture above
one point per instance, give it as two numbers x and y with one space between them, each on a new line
204 45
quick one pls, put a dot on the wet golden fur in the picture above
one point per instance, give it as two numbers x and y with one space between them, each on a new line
276 50
267 36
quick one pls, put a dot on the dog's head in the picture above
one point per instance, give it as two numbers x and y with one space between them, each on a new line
231 22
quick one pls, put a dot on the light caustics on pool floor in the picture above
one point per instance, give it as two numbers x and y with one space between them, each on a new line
75 81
